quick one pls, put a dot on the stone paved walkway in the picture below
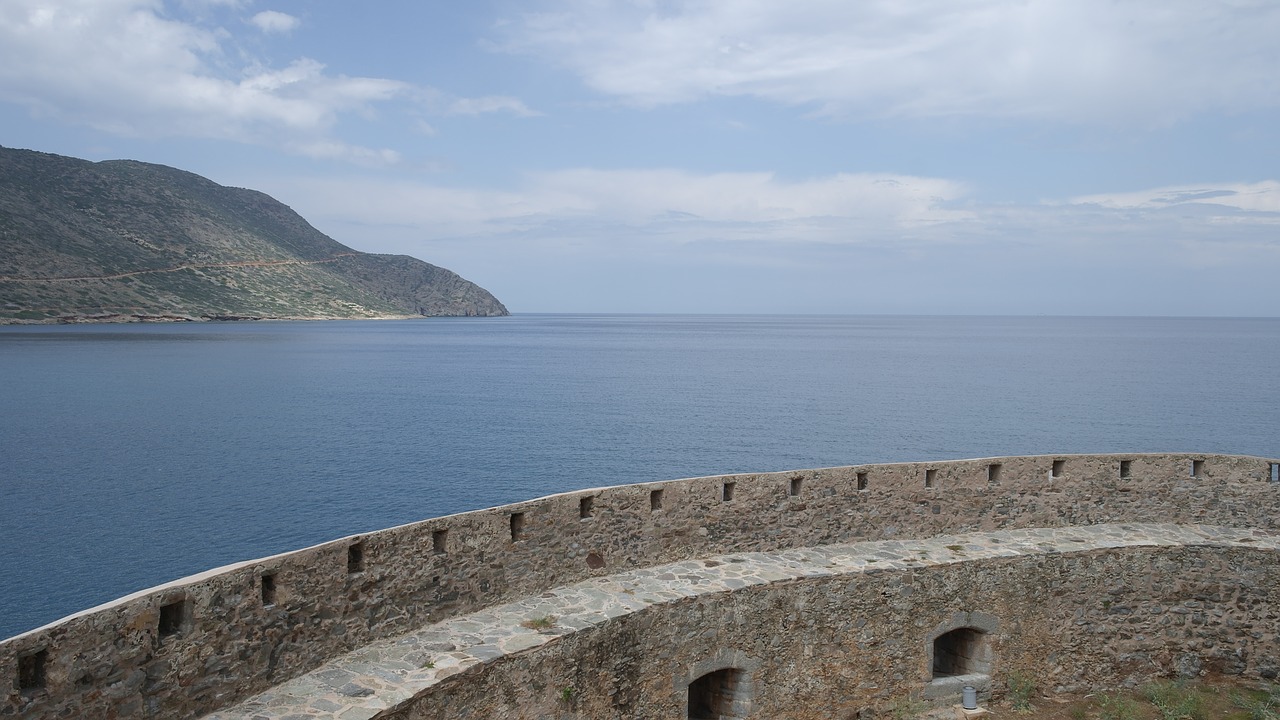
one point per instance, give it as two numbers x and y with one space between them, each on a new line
383 674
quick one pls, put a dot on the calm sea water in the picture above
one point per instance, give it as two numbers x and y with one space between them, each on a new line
133 455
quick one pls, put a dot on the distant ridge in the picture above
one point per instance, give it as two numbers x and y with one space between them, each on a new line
121 241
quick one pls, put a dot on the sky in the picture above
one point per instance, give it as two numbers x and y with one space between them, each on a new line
1060 157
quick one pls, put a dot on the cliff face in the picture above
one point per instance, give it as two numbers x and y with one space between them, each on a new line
125 240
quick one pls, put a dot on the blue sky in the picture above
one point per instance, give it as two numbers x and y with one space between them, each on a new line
1096 157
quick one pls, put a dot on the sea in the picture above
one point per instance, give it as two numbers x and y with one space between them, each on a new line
131 455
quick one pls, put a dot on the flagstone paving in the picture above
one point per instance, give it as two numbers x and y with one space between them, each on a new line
383 674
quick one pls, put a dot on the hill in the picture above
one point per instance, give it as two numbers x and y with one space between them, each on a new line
129 241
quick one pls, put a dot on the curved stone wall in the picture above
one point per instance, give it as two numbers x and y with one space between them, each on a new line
859 644
203 642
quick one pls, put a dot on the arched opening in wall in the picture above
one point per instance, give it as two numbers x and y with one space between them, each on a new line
719 695
963 651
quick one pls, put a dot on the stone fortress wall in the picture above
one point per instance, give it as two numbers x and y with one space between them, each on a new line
209 641
1073 614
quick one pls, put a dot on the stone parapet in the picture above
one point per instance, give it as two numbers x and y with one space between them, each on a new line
849 626
201 643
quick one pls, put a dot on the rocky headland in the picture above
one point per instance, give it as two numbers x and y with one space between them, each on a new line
126 241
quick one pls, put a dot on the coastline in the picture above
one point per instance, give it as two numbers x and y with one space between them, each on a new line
140 318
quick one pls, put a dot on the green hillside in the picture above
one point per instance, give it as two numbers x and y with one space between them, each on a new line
123 240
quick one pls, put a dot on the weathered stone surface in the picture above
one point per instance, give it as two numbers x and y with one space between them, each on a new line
139 657
829 632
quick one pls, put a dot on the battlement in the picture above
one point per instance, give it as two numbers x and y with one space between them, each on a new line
195 645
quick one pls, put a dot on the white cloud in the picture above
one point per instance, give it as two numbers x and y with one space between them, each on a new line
128 67
488 104
665 205
1257 197
731 219
675 241
214 3
122 66
674 206
203 5
1141 61
335 150
271 21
